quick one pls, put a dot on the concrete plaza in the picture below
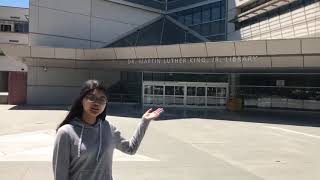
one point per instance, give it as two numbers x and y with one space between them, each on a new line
254 145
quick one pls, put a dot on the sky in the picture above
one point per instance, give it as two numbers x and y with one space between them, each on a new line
15 3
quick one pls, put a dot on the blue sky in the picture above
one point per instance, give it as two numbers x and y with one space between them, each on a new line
15 3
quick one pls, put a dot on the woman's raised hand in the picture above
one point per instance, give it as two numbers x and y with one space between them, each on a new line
150 115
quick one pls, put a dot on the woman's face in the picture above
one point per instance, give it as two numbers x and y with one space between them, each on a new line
94 103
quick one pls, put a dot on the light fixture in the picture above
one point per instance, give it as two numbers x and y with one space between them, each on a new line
45 68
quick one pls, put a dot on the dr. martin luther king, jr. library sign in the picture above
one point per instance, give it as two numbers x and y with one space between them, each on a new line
195 60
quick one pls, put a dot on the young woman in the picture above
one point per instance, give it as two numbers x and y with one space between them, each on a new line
85 141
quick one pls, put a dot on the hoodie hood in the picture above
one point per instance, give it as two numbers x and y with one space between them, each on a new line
79 123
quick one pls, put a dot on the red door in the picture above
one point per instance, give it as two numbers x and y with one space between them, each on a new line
17 87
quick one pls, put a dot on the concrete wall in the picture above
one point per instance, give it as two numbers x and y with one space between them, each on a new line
242 2
56 82
11 64
302 22
14 14
14 38
82 23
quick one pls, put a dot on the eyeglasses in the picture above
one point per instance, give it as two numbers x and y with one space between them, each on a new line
92 98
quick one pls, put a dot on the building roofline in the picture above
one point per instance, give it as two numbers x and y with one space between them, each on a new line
274 47
279 55
138 6
14 7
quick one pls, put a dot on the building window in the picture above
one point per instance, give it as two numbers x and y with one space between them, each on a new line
215 11
5 28
26 27
18 28
197 16
207 20
21 27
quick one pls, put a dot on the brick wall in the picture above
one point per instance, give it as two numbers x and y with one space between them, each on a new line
17 87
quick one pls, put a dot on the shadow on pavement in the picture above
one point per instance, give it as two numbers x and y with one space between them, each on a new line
269 116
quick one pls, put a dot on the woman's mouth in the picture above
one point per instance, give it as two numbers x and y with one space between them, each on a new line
94 110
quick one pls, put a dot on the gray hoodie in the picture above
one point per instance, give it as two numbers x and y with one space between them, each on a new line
84 152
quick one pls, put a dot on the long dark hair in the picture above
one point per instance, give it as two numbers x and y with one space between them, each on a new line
76 109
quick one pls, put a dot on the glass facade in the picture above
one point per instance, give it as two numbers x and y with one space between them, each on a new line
173 4
196 24
183 77
288 91
185 94
278 91
21 27
127 89
185 90
207 20
157 4
165 4
161 32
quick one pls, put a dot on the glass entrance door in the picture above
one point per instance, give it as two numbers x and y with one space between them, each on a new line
179 95
217 96
196 96
185 94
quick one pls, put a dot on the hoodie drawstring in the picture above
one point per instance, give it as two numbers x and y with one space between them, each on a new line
100 141
80 141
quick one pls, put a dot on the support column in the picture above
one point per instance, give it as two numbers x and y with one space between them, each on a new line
235 102
234 82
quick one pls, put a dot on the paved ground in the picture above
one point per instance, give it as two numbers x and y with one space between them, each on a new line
226 146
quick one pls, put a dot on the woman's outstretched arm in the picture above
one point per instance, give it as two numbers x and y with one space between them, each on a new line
131 146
